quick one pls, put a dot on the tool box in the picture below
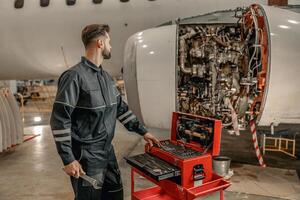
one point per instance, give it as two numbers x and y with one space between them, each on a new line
182 167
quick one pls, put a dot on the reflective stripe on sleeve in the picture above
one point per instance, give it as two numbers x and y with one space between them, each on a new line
129 119
125 115
63 139
60 132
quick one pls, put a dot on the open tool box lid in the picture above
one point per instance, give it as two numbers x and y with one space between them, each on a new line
197 132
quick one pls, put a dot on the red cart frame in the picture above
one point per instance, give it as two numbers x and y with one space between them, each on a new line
218 184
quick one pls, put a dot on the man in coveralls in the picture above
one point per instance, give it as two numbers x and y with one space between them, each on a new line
84 117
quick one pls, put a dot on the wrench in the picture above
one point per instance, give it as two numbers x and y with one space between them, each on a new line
92 181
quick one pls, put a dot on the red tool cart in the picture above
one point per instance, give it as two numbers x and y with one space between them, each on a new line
181 168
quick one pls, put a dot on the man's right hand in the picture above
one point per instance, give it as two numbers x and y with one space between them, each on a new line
74 169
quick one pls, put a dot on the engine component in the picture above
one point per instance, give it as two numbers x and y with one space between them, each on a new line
220 69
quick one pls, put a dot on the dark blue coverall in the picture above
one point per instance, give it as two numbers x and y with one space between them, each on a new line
83 123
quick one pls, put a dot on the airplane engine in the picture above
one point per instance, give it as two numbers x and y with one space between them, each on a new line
233 65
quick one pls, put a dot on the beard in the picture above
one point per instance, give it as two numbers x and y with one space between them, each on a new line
106 53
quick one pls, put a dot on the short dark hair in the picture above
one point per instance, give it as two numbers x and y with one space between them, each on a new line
93 31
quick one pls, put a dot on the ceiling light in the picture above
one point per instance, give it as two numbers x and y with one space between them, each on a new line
293 21
140 41
145 46
283 26
151 52
37 119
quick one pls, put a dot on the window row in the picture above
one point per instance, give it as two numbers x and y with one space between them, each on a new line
44 3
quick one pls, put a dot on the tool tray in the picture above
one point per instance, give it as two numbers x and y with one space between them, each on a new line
154 167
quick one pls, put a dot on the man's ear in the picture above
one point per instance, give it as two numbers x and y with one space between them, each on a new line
100 44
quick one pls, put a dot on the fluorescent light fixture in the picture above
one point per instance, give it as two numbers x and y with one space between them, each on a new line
37 119
140 37
151 52
140 41
283 26
293 21
140 33
145 46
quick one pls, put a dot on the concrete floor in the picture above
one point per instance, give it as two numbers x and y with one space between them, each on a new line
33 171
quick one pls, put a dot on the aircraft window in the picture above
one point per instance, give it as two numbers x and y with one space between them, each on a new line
124 1
97 1
19 4
70 2
44 3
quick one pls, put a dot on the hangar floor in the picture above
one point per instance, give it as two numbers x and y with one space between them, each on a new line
33 171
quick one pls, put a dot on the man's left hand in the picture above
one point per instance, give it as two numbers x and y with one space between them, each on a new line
151 139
